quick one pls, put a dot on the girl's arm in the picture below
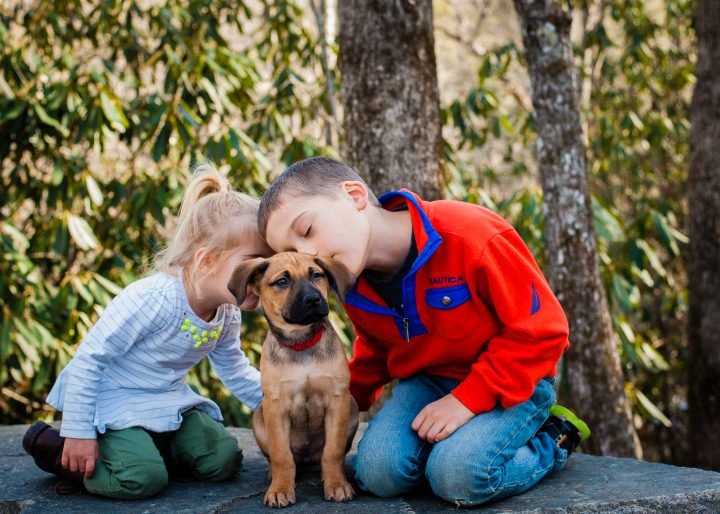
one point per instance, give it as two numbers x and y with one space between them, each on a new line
234 369
136 312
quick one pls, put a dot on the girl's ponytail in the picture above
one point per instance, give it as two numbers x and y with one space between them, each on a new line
206 179
212 216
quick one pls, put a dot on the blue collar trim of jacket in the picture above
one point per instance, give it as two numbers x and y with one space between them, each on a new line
411 325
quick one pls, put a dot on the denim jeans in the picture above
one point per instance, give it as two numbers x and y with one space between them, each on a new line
496 454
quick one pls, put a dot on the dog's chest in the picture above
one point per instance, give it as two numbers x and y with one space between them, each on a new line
309 394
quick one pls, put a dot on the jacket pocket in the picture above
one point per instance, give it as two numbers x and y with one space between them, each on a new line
447 297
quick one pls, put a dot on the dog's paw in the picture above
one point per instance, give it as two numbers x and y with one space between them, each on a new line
279 496
339 490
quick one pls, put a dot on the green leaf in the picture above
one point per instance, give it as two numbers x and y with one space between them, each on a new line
93 190
652 257
506 123
109 285
627 331
47 120
189 115
160 147
5 343
82 290
20 242
666 232
655 357
113 111
81 232
636 121
13 112
5 87
43 337
627 294
26 342
607 225
652 409
213 94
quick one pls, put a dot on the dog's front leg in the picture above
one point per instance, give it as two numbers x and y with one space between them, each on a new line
282 465
333 459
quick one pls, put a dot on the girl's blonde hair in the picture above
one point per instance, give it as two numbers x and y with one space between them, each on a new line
212 216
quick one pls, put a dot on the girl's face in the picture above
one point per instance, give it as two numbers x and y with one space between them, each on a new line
214 284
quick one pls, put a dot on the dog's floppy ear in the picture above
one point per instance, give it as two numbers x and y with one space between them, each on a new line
244 275
338 274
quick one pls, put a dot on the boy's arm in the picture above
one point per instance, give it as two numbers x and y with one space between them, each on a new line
234 369
534 331
126 319
368 369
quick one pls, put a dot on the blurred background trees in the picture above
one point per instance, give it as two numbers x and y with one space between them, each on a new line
593 373
104 104
704 258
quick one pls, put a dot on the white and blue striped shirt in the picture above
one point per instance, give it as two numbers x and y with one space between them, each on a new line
131 368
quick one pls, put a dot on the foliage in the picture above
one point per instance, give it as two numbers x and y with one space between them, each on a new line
103 105
636 67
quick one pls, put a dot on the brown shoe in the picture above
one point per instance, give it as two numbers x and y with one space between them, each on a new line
45 444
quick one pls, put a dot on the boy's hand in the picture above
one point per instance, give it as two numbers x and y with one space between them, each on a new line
80 455
441 418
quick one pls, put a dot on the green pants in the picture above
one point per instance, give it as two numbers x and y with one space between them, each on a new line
135 463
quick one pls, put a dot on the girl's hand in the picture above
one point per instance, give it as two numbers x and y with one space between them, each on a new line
80 455
441 418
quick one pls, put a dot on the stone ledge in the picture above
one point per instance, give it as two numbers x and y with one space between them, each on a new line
588 484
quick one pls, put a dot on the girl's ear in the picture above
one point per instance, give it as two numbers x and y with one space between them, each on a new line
358 193
202 261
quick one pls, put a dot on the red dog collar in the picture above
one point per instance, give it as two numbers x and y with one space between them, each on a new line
304 345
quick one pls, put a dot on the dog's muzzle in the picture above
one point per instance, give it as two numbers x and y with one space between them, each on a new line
308 307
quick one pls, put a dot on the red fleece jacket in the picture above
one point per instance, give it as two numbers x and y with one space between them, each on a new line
477 308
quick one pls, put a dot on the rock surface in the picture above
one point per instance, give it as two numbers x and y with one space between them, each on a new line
588 484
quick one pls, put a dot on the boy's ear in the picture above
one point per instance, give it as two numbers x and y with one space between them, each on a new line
358 192
338 274
245 275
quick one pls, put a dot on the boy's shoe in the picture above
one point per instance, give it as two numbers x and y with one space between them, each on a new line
45 444
565 428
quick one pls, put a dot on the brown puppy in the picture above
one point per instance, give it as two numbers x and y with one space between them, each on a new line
307 414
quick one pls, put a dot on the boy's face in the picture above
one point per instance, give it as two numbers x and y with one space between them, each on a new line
335 227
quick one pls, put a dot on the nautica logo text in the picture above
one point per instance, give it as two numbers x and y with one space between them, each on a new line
436 281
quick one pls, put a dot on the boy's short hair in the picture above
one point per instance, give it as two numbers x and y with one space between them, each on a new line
317 176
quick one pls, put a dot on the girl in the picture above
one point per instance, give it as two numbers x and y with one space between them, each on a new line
129 417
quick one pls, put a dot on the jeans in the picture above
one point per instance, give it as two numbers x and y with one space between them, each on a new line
496 454
135 463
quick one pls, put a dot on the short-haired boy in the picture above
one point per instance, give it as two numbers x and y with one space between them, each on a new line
450 302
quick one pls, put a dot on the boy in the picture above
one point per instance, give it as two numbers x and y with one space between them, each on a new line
450 302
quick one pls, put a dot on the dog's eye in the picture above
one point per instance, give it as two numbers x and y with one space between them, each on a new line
282 282
316 275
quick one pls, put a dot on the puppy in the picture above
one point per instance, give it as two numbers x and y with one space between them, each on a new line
307 414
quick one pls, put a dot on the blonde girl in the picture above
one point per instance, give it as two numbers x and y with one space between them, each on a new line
129 418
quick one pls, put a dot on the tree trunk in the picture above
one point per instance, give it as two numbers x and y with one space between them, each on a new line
704 228
390 94
595 379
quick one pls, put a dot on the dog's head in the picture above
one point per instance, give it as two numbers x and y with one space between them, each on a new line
292 287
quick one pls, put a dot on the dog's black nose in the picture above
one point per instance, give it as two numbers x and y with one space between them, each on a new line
312 299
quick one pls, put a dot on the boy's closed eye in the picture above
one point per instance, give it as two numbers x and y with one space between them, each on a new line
308 231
